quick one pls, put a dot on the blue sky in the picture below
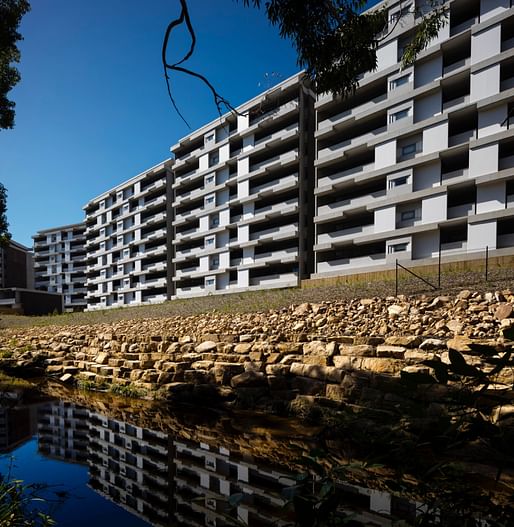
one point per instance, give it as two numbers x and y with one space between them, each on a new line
92 108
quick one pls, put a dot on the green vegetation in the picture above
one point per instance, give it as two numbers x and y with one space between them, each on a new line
7 383
122 390
21 505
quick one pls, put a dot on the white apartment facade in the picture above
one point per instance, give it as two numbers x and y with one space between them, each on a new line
421 160
127 241
241 196
59 263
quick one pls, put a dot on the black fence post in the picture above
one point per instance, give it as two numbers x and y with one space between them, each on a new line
486 263
439 269
396 278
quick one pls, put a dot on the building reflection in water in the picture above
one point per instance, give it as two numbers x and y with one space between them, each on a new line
18 421
162 478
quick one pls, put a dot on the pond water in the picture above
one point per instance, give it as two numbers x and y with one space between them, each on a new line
108 462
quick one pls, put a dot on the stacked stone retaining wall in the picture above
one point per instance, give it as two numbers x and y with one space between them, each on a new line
301 351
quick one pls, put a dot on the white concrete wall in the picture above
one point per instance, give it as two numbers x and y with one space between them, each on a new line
485 82
482 235
435 138
385 219
387 55
491 197
483 160
433 208
490 120
486 44
385 154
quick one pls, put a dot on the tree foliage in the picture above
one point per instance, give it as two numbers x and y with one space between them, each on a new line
11 13
336 40
5 236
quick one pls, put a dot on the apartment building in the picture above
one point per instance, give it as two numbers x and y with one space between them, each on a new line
16 266
131 466
127 241
242 196
60 263
420 161
63 431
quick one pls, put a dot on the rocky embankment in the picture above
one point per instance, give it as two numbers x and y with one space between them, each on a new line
351 351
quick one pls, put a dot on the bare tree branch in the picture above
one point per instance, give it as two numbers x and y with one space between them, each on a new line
184 18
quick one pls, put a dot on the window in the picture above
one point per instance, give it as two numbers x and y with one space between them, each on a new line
209 241
209 200
213 159
408 215
409 149
398 247
393 183
209 179
400 81
209 138
399 115
209 281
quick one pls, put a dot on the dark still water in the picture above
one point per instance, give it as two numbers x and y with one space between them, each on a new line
109 462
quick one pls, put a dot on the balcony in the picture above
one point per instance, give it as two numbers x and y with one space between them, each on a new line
278 280
345 234
284 256
276 233
340 206
453 247
289 131
463 26
457 65
460 211
276 113
187 271
273 162
453 103
461 138
269 211
343 264
461 172
329 181
272 187
330 123
340 148
506 162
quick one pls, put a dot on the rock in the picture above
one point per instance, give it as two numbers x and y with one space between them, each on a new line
67 378
395 352
302 310
249 379
358 350
503 311
405 341
454 326
432 344
206 346
460 344
395 310
102 358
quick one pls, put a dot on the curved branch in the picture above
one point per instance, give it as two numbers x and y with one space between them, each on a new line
184 18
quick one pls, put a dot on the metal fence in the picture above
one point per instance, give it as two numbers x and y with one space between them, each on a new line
481 269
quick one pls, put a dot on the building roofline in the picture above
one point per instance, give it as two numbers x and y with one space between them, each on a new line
60 228
162 164
19 245
241 108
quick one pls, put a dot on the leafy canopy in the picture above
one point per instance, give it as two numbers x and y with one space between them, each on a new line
11 12
336 41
